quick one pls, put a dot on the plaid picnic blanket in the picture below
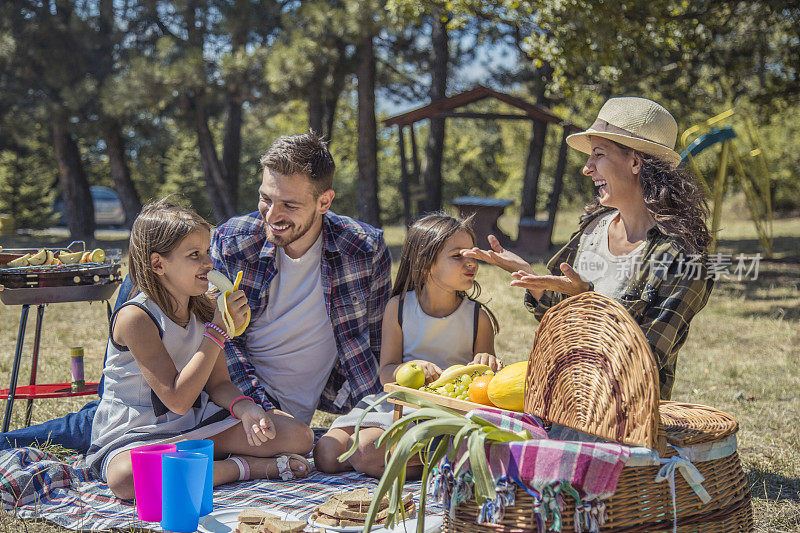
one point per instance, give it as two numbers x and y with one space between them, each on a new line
545 468
35 484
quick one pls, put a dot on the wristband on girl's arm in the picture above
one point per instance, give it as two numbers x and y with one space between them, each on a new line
234 402
213 338
222 332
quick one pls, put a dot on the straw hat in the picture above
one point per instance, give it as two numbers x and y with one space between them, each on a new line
637 123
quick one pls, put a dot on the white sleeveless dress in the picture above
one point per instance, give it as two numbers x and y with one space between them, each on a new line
130 414
444 341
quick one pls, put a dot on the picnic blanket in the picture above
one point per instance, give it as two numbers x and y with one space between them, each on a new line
545 468
35 484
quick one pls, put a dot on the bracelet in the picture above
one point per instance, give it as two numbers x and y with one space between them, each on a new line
218 329
244 468
213 338
236 400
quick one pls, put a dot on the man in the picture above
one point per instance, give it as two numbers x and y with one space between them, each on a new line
317 284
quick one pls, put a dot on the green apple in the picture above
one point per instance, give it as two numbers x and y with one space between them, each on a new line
411 375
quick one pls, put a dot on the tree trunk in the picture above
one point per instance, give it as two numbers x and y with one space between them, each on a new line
314 104
367 152
329 112
434 148
219 195
234 99
79 209
533 167
232 143
120 172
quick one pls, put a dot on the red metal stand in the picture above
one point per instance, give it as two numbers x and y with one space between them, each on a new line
49 390
33 391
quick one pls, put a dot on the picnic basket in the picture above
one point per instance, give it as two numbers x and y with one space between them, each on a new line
592 370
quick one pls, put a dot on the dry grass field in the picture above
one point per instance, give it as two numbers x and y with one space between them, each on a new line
741 357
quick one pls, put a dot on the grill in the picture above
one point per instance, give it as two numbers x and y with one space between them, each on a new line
80 282
49 284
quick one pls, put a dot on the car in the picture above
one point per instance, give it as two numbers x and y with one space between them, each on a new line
108 210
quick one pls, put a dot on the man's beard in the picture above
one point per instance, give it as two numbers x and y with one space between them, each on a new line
291 234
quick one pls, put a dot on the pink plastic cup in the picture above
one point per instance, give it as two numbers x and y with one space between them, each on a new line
146 463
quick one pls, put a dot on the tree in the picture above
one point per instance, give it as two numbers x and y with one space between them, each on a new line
50 49
201 59
434 147
367 151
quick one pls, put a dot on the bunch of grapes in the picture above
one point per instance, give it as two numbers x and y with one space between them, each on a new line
458 388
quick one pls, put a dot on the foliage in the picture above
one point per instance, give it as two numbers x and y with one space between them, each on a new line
291 64
21 194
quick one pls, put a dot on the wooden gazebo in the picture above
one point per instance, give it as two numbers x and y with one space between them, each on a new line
534 235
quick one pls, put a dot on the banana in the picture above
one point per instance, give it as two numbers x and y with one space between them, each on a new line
38 258
68 259
456 371
221 282
19 261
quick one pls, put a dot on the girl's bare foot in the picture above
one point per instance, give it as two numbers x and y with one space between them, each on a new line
292 465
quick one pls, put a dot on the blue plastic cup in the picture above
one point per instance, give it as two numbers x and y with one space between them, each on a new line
206 447
183 477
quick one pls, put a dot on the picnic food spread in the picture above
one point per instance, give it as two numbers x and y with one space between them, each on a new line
258 521
476 383
349 509
454 382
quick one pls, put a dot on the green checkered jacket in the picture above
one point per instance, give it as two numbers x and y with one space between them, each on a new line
663 296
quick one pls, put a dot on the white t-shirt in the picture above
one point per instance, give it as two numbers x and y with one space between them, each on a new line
291 345
611 274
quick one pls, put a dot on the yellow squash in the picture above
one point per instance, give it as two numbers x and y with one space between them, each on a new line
507 388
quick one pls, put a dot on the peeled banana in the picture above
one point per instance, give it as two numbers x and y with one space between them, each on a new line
221 282
455 372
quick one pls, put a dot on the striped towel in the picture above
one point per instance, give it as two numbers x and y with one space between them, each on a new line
545 468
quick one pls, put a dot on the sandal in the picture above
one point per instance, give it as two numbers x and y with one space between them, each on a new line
285 471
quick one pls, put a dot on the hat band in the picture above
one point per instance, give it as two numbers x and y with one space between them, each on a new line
601 125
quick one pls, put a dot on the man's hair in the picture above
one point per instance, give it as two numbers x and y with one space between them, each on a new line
302 154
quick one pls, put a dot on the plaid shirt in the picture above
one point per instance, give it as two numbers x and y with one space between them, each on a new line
356 280
663 295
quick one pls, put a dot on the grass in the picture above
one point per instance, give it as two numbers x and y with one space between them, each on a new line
741 356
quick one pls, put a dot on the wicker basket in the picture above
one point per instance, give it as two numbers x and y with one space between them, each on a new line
592 370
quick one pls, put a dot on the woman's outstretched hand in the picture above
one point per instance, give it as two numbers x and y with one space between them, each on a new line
499 256
570 283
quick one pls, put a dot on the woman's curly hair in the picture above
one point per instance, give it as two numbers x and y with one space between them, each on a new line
675 201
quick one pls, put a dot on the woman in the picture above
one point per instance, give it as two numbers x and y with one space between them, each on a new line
643 241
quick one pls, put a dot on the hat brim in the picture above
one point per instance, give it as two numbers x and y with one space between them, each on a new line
580 141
